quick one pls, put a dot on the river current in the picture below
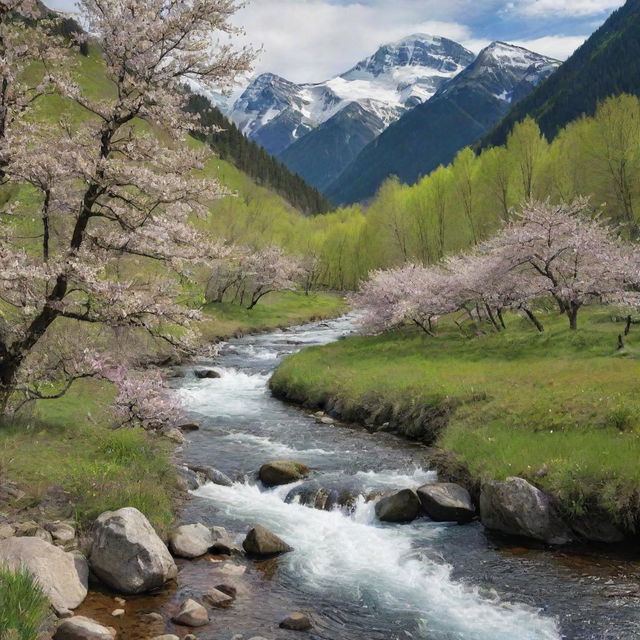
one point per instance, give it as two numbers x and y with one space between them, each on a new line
361 579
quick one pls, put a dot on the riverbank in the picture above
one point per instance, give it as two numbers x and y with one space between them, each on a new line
276 310
68 463
560 409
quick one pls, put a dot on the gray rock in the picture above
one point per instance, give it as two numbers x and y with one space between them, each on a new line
223 542
212 475
190 478
61 531
281 472
190 541
446 502
81 628
217 598
204 374
167 636
228 589
403 506
191 614
518 508
296 622
6 531
262 542
127 554
63 576
597 528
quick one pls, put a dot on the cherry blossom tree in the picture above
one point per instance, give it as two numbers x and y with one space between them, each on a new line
20 47
571 254
485 286
269 270
411 293
114 189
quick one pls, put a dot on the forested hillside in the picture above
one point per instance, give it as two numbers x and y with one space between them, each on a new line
607 64
458 205
230 144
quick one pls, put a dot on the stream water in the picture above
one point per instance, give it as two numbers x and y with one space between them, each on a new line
361 579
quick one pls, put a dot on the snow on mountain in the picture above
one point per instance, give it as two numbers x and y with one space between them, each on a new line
463 109
276 113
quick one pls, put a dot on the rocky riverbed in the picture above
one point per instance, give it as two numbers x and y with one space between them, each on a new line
297 525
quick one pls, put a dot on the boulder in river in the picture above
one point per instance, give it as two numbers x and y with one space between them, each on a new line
63 576
127 554
516 507
190 541
189 477
81 628
204 374
296 622
223 542
212 475
281 472
446 502
403 506
191 614
262 542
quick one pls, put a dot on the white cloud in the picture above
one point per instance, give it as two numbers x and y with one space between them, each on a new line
559 47
563 8
311 40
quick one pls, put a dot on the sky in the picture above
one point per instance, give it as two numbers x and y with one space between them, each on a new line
312 40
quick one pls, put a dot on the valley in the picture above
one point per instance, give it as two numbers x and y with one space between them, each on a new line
325 327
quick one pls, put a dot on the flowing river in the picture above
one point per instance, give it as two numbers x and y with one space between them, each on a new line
358 578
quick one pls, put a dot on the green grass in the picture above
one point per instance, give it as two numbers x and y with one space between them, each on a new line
507 404
23 606
274 310
68 443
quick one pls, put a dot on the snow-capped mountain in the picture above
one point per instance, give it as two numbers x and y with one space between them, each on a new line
276 113
463 110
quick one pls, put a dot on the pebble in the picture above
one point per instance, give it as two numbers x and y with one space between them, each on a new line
118 613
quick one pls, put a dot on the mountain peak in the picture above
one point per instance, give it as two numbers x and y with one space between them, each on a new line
513 55
434 53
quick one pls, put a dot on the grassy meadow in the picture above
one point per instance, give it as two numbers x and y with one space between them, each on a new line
561 408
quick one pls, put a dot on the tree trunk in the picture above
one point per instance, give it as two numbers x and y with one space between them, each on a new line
572 313
536 323
627 328
492 318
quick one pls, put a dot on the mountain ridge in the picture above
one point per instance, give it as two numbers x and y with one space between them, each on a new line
278 114
608 63
460 113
